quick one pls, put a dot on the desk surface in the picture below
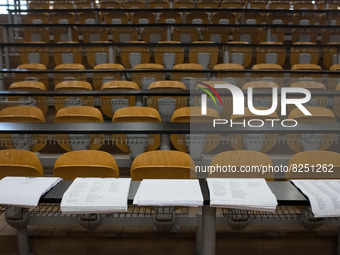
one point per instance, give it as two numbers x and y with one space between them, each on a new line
285 192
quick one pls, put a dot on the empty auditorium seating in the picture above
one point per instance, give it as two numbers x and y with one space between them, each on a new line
168 56
134 55
162 165
206 56
76 114
85 163
19 163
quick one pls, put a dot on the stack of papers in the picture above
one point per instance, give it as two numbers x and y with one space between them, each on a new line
323 195
169 193
249 194
25 191
96 195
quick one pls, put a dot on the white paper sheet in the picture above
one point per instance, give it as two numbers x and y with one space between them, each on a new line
25 191
250 194
169 193
324 196
96 195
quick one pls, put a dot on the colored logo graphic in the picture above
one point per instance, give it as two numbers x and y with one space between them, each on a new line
209 93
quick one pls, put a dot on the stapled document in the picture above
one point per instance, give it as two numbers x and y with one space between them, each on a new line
323 195
25 191
249 194
96 195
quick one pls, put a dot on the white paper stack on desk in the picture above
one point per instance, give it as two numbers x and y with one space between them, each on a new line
323 195
249 194
25 191
96 195
169 193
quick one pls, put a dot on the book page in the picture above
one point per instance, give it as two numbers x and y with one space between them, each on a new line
252 194
324 196
169 193
96 195
25 191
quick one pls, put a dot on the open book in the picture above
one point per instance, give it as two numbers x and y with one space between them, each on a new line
323 195
250 194
96 195
169 193
25 191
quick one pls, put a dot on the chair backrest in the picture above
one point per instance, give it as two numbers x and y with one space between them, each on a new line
134 55
168 56
271 55
254 142
207 4
68 55
185 34
170 17
108 103
238 54
304 55
144 79
40 102
197 18
19 163
206 56
183 4
86 163
162 165
154 34
304 142
159 4
143 18
242 158
314 158
34 55
134 4
99 79
191 78
223 18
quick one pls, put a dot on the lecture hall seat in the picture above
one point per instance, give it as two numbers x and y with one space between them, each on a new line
251 141
79 114
206 56
311 141
318 160
240 158
23 114
194 144
166 105
86 163
165 164
32 86
189 79
136 144
144 79
168 56
110 104
63 101
100 78
19 163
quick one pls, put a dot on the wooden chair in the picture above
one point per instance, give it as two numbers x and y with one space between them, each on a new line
185 34
134 55
137 144
159 4
134 4
76 114
249 35
32 86
23 114
243 158
191 78
154 34
205 143
253 142
99 79
197 18
36 34
38 5
316 159
166 105
85 163
235 54
168 56
100 55
229 4
206 56
63 5
281 5
182 4
36 18
305 35
232 78
33 57
110 104
109 4
305 142
223 18
216 34
144 79
62 101
317 101
162 165
207 4
64 34
303 5
19 163
32 76
170 17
